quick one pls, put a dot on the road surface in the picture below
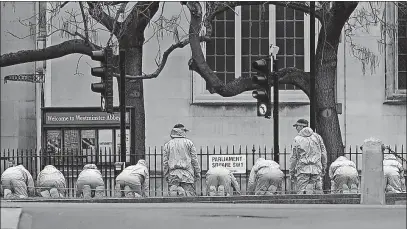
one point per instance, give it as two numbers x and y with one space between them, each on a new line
208 216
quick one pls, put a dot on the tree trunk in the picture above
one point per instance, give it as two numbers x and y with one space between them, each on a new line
327 116
135 98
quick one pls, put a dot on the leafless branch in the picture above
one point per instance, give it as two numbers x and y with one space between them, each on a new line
142 12
63 4
77 67
51 52
116 20
85 22
96 11
164 59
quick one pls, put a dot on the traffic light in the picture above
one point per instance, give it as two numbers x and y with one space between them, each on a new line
105 72
263 95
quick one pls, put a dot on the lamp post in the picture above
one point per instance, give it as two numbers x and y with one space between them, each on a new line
273 54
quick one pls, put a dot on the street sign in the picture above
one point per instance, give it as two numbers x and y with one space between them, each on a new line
262 109
235 163
103 104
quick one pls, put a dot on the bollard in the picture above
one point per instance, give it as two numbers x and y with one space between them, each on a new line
372 191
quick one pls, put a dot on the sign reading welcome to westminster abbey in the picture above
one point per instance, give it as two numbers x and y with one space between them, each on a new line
83 118
235 163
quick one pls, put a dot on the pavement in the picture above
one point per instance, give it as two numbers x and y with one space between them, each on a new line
10 217
207 215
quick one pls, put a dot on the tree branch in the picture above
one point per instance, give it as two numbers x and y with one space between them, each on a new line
100 16
116 19
164 59
138 19
51 52
244 83
339 14
85 22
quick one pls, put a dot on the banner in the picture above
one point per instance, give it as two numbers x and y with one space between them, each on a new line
235 163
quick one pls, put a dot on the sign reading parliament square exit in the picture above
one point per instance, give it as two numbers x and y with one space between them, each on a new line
235 163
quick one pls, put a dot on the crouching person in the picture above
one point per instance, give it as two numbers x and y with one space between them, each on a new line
51 182
344 176
393 174
134 180
16 181
88 180
265 178
221 182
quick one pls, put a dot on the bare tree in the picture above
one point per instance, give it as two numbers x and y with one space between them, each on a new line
126 26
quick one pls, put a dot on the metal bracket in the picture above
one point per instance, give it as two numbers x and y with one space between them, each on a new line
32 78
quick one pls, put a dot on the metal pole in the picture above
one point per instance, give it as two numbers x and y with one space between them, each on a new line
122 92
312 67
275 112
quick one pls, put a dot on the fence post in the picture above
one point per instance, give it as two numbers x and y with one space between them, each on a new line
372 191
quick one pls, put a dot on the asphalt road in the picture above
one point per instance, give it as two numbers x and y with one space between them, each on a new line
199 216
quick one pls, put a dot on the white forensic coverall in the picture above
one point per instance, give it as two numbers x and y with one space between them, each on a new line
220 181
308 161
180 164
49 178
136 177
91 176
19 181
393 174
344 176
265 178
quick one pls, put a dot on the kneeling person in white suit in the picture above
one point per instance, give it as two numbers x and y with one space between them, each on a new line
221 182
344 176
393 174
265 178
51 182
134 180
16 181
90 179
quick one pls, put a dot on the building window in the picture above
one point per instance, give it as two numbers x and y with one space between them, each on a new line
243 35
290 39
401 62
255 35
220 52
396 52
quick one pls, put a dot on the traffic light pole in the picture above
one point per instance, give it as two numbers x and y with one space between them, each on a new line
312 67
275 112
122 92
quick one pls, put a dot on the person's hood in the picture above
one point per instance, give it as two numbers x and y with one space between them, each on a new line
142 162
260 159
50 167
390 157
178 133
306 132
90 166
342 158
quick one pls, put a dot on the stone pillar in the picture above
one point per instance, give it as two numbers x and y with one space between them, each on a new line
373 189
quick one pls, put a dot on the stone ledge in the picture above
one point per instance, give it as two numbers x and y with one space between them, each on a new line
391 199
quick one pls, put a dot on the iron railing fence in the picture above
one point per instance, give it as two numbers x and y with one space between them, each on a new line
71 162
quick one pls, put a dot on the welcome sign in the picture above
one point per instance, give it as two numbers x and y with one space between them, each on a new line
235 163
83 118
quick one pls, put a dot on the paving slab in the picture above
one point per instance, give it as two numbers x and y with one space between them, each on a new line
10 218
